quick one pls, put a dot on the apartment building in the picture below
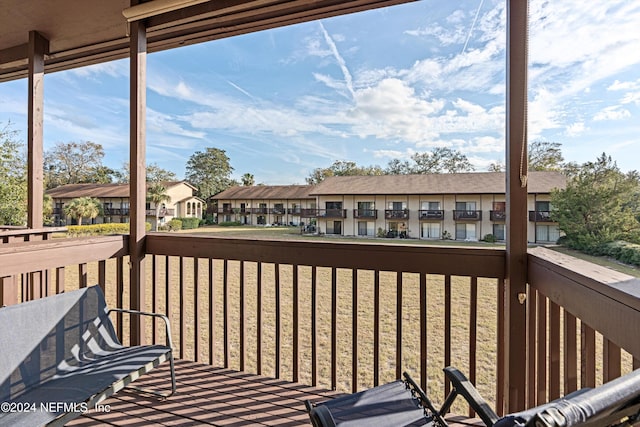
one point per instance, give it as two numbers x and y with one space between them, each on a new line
464 206
265 204
114 199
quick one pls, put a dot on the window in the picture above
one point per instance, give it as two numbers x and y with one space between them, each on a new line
547 233
498 231
465 206
188 208
397 206
466 231
500 206
362 228
543 206
430 230
430 206
333 205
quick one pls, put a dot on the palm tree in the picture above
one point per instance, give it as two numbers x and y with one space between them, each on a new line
248 180
47 210
83 207
157 194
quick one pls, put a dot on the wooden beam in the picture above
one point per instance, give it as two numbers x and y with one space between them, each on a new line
516 261
138 64
38 47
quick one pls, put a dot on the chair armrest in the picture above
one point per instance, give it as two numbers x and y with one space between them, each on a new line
464 387
145 313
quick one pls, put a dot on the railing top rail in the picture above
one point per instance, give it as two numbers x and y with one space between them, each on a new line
607 300
24 257
29 231
461 261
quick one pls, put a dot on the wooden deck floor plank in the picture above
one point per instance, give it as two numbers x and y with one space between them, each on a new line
213 396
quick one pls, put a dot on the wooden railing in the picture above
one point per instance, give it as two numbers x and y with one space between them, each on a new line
340 315
581 316
10 234
349 315
30 270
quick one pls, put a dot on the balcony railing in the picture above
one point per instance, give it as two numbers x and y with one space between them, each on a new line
498 215
259 211
365 213
396 214
540 216
323 213
431 214
349 316
278 211
460 215
161 213
117 212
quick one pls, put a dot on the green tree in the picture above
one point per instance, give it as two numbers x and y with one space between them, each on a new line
398 167
47 210
545 156
13 179
157 194
600 204
75 163
83 207
342 168
154 173
209 171
248 180
496 167
441 159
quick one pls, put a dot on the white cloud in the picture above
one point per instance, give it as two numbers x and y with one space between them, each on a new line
576 129
612 113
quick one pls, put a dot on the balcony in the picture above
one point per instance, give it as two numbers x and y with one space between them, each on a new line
161 213
116 212
297 311
396 214
365 213
498 216
293 211
323 213
259 211
426 215
277 211
540 216
459 215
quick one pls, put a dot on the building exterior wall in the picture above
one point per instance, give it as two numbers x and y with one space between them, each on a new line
415 226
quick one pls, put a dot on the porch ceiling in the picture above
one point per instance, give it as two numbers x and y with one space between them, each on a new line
93 31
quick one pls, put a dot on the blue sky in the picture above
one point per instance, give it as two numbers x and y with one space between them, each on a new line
366 87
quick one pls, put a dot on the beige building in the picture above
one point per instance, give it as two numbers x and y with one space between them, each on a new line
115 202
265 204
464 206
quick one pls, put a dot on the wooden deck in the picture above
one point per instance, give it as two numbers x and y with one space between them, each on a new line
215 397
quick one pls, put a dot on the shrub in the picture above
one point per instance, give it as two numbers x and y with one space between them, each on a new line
230 224
381 232
175 225
189 223
489 238
446 235
628 253
97 229
209 219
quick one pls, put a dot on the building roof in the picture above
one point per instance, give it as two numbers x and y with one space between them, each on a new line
446 183
71 191
265 192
